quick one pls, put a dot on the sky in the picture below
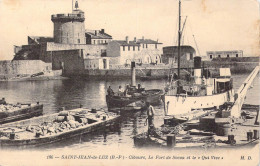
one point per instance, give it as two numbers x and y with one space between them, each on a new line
217 25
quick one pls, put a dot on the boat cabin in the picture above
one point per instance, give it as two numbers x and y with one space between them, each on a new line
201 85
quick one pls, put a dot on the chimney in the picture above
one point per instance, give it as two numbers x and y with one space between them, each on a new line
135 39
102 31
157 40
96 32
143 37
126 39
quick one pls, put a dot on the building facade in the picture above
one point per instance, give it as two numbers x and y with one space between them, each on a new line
170 55
97 37
96 63
142 51
224 54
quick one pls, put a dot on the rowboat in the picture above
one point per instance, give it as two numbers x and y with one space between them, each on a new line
134 100
14 112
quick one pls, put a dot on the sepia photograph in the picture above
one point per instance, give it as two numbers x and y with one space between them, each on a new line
129 82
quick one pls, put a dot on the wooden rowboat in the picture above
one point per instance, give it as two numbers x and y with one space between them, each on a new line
11 112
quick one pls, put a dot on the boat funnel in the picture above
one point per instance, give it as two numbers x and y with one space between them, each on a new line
133 83
197 62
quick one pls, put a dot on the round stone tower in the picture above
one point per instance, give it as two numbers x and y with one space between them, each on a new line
69 28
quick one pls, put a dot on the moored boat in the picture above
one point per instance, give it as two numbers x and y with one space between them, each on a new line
200 94
14 112
133 98
54 127
201 91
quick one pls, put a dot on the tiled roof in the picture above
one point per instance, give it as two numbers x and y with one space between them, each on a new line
147 41
174 49
124 43
99 34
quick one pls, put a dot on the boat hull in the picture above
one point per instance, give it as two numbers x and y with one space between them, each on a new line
22 113
181 104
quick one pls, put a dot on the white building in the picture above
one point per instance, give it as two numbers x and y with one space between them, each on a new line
92 62
224 54
144 51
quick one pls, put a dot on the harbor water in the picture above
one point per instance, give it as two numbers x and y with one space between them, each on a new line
55 94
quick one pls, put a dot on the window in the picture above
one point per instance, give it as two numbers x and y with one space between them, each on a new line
219 56
236 55
98 41
146 46
94 41
102 41
123 48
156 46
128 48
138 48
143 45
105 41
78 40
210 56
191 56
133 48
227 55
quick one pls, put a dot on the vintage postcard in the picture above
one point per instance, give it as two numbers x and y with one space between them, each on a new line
129 82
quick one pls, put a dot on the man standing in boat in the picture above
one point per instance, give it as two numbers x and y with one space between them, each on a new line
120 91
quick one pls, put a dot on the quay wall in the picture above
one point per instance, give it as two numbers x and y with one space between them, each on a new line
236 67
23 67
122 73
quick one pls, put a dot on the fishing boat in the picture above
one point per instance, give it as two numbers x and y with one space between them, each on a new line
14 112
202 92
54 127
135 98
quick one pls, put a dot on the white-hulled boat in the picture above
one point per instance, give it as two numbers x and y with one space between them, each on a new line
201 92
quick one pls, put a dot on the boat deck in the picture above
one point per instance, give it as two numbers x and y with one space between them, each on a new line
189 137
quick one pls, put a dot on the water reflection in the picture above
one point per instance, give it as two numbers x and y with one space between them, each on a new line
55 94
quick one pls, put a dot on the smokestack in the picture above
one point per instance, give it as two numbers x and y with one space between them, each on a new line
133 80
135 39
102 31
96 32
126 39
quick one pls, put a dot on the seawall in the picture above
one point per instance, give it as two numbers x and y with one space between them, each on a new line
156 73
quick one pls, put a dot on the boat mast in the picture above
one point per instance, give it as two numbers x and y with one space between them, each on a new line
179 47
